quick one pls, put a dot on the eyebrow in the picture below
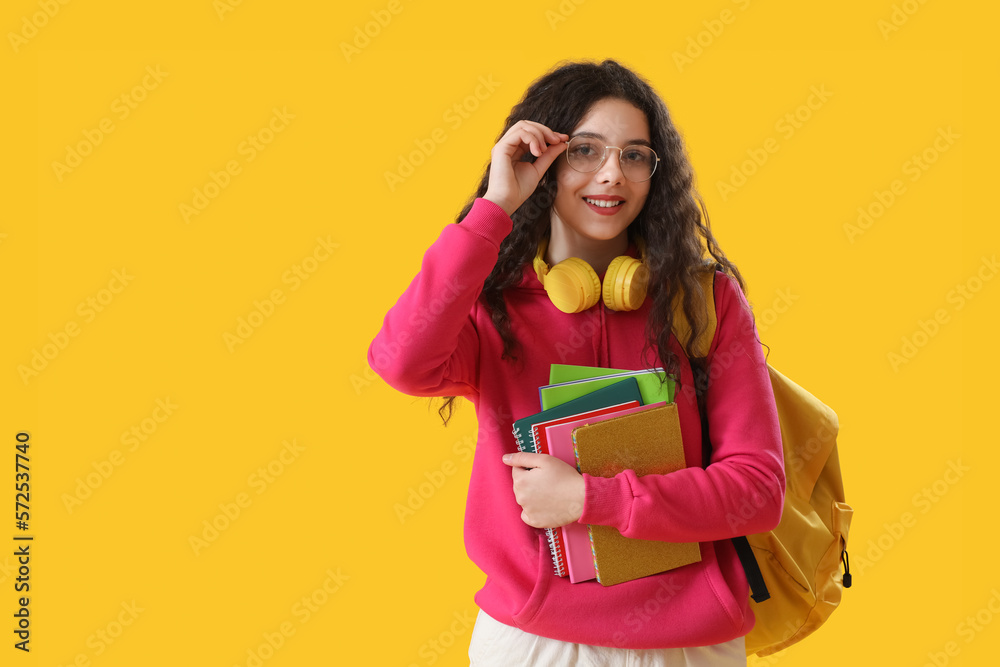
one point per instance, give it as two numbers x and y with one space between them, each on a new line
630 142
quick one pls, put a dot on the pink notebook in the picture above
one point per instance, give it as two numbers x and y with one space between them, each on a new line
576 536
538 437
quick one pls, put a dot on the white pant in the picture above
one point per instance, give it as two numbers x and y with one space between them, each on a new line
495 644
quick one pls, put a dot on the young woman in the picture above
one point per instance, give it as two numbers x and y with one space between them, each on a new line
589 166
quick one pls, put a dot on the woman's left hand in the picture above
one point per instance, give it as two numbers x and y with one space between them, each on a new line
549 490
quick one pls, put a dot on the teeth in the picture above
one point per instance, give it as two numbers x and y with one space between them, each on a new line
602 203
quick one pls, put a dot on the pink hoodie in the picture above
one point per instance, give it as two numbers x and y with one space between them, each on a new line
439 340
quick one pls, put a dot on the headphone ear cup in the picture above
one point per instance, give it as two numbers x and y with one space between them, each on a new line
572 285
625 284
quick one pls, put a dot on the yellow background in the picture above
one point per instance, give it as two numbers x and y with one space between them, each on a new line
404 586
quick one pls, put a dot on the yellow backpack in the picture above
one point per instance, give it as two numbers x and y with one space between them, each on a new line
793 570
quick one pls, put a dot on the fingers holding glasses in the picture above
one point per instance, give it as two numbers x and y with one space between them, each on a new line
512 179
529 136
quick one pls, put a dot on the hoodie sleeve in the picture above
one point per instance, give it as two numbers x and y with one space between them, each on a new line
742 491
428 344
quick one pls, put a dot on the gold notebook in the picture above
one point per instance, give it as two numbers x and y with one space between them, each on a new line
647 442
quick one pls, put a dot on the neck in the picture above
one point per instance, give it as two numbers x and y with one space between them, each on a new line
565 243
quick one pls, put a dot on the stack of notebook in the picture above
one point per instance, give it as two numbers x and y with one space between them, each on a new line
603 421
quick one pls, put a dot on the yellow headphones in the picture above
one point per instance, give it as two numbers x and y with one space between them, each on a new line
573 286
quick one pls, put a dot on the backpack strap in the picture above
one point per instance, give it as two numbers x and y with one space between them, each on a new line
699 368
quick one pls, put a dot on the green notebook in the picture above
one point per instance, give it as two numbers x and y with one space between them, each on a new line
570 382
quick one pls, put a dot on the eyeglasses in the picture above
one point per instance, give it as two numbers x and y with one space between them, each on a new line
586 154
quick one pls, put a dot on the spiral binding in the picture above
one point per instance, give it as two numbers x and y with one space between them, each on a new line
517 438
558 560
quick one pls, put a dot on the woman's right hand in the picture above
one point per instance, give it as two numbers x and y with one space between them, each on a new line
512 181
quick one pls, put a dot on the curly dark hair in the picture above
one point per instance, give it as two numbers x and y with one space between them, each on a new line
673 221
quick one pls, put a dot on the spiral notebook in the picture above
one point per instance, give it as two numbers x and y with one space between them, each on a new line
576 536
623 391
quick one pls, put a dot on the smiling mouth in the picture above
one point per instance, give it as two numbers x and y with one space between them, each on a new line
603 203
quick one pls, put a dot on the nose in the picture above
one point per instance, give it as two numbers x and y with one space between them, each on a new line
611 170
